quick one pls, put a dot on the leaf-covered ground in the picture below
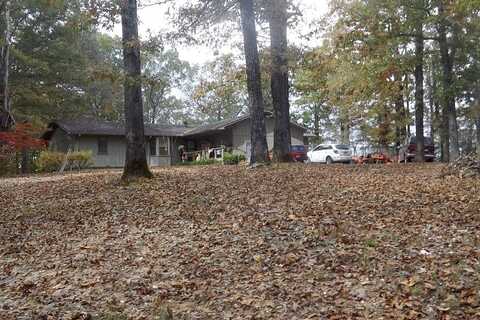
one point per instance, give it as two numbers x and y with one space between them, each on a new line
295 242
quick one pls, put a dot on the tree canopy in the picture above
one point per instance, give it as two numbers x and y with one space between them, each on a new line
354 82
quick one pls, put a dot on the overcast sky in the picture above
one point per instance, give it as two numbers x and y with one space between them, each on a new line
154 19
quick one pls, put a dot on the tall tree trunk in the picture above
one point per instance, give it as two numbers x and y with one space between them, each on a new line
25 162
445 135
438 119
477 116
419 93
477 127
400 129
316 122
153 105
384 129
407 106
435 104
344 131
432 120
6 118
136 158
469 136
259 152
279 77
431 101
448 100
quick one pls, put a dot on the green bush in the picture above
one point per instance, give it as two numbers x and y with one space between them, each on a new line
49 161
80 159
229 158
203 162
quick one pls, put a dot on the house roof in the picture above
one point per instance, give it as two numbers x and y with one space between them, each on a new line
87 126
217 126
225 124
106 128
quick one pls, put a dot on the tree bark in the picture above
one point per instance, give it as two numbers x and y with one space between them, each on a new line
431 84
384 129
344 131
449 109
445 135
438 119
469 134
407 106
6 118
419 93
136 159
279 80
153 105
25 163
400 129
316 122
259 152
477 117
477 127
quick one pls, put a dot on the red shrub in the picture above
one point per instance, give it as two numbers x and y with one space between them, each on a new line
22 138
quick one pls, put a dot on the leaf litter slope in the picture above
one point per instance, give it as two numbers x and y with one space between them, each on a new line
299 242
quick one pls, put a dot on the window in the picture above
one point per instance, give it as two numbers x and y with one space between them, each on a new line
298 148
426 141
102 146
323 147
159 146
153 146
163 146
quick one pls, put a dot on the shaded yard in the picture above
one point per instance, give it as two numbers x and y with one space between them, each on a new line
295 242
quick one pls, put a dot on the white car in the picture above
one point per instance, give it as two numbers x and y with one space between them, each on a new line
330 153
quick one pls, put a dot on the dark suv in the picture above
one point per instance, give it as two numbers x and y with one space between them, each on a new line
298 153
408 151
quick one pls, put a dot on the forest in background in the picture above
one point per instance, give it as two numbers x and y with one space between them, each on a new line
381 70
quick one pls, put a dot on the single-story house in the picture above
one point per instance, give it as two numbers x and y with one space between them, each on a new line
107 142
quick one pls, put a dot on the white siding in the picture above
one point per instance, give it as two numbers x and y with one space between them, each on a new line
115 158
297 135
241 135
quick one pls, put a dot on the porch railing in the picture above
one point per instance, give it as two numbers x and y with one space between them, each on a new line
207 154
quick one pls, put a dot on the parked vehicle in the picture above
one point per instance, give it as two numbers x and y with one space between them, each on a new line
298 153
330 153
408 151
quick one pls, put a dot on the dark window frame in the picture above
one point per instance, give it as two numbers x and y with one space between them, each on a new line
102 146
163 146
153 147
